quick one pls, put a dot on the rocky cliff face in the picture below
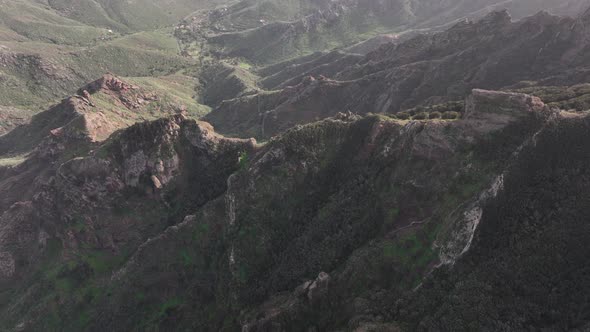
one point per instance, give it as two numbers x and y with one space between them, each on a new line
85 216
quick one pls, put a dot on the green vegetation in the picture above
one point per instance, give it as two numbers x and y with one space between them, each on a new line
119 16
290 33
420 116
243 160
31 21
57 55
78 224
170 304
411 251
102 262
11 161
435 115
244 65
446 111
177 91
451 115
365 200
403 115
575 98
187 258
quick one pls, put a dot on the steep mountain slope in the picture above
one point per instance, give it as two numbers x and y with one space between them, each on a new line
526 268
43 196
276 234
49 48
494 52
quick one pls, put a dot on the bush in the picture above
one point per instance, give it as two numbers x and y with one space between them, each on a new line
403 115
451 115
434 115
417 110
420 116
458 107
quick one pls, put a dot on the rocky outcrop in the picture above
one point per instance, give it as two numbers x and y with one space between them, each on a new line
76 203
98 110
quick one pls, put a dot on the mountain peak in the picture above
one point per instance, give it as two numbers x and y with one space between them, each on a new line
107 82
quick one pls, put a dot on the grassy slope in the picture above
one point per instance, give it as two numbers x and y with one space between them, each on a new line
47 51
152 97
130 15
281 41
36 22
177 89
37 73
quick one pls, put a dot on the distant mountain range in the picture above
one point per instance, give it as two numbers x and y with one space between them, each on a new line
493 53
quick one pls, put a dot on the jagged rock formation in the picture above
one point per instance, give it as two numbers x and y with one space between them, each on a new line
94 211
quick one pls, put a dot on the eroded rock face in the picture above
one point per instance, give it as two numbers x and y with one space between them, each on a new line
75 204
491 110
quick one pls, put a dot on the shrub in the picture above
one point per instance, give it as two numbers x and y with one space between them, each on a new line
451 115
439 108
420 116
434 115
403 115
458 107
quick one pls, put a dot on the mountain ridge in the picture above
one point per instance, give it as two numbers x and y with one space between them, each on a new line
429 69
151 160
437 181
